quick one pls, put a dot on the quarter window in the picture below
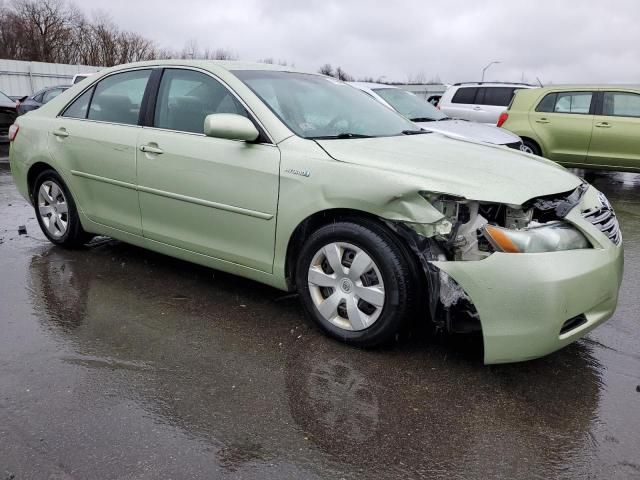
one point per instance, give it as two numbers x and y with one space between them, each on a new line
78 109
186 97
621 104
465 95
573 102
117 98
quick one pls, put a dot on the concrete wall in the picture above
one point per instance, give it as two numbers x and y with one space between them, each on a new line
25 78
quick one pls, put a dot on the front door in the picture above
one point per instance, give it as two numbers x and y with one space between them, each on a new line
95 141
213 196
616 131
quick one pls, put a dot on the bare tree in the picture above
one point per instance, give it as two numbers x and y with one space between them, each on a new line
342 75
327 69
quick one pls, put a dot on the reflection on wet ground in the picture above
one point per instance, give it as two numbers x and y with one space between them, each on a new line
120 363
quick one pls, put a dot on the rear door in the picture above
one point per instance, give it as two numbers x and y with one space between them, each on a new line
491 102
563 121
95 140
616 131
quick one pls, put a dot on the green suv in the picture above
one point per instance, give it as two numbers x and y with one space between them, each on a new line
585 126
306 184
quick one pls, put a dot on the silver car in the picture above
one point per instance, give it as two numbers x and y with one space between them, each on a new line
430 118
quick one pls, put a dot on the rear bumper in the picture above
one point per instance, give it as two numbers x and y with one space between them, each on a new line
524 300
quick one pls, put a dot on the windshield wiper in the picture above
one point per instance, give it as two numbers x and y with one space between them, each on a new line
414 132
341 136
422 119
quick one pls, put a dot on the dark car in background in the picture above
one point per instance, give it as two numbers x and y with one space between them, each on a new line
26 104
7 116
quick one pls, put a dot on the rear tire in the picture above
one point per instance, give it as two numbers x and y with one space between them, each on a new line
56 211
531 147
355 282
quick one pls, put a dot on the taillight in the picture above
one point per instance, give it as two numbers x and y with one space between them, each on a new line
502 118
13 132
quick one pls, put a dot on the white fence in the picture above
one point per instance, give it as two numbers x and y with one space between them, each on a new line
25 78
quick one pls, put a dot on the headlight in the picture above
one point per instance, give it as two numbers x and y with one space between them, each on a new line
547 238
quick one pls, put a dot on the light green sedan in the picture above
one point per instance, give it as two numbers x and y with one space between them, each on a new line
582 126
306 184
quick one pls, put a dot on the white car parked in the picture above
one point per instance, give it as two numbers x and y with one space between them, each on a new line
479 101
430 118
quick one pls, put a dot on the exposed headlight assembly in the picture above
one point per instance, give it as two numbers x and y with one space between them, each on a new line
553 237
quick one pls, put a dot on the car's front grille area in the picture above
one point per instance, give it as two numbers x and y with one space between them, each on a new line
605 219
572 323
4 131
514 145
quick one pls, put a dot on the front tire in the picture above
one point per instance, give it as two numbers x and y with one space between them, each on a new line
355 282
56 211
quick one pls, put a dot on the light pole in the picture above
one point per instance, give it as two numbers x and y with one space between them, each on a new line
485 68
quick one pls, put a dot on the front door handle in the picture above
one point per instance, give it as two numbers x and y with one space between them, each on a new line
542 120
61 132
603 125
477 108
151 149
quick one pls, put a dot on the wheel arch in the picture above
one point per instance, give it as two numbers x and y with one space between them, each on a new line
324 217
534 141
33 172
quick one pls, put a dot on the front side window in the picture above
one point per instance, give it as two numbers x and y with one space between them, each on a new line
621 104
186 97
465 95
117 98
314 106
412 107
573 102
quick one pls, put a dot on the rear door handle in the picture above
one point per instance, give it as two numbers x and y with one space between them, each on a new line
151 149
477 108
542 120
603 125
61 132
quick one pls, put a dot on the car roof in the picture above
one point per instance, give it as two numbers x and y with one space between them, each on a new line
494 84
590 87
371 85
229 65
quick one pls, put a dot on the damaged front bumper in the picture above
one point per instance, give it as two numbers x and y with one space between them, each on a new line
528 305
525 300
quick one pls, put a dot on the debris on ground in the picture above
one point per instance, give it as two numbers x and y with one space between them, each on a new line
22 230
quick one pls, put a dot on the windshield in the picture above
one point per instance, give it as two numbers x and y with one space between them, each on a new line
314 106
409 105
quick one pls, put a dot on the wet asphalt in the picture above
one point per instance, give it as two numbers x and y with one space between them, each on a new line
118 363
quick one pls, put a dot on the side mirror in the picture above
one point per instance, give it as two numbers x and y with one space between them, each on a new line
230 126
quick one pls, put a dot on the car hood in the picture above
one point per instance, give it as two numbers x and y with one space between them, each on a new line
462 167
475 131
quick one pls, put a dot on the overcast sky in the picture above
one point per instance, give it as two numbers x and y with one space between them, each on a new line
558 41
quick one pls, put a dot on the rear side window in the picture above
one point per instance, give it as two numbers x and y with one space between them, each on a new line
621 104
79 108
573 102
498 96
465 95
186 97
548 103
117 98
